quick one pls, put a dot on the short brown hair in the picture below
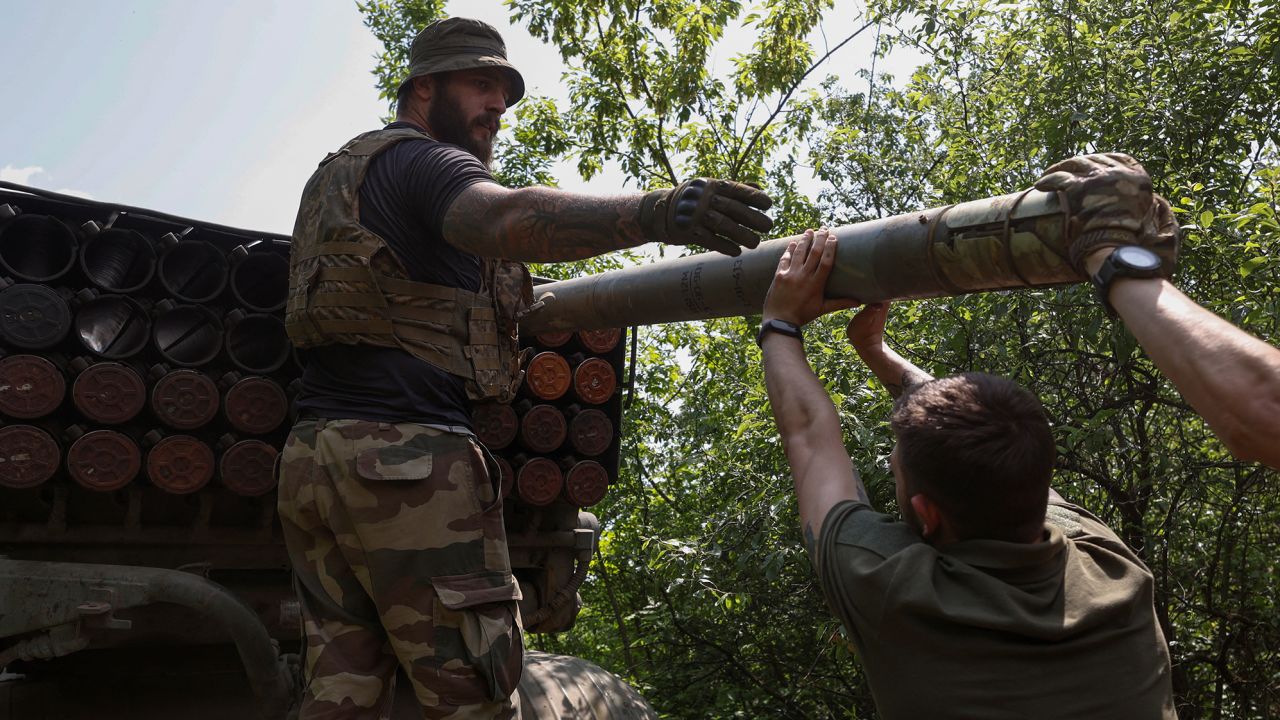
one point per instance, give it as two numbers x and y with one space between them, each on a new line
980 447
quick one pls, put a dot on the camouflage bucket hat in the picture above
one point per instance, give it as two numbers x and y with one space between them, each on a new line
461 44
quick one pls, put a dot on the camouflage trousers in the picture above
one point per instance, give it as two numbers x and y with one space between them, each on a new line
396 538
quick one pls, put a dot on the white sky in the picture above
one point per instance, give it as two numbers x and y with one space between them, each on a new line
220 109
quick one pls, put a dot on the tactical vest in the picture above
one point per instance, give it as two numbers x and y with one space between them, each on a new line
346 286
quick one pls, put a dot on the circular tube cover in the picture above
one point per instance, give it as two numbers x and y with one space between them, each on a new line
586 483
591 432
548 375
188 335
193 271
594 381
256 405
248 468
543 428
103 460
180 464
258 343
118 260
496 424
539 482
33 317
600 341
260 281
109 393
36 248
28 456
554 339
30 386
184 399
113 326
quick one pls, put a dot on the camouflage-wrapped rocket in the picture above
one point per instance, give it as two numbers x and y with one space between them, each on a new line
1011 241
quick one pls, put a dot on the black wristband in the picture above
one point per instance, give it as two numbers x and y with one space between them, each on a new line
779 326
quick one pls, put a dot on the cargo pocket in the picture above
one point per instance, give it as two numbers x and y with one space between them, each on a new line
394 462
481 608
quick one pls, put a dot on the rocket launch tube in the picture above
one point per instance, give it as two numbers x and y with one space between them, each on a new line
998 243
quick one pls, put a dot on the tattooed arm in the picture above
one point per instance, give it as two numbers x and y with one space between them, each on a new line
806 418
541 224
866 334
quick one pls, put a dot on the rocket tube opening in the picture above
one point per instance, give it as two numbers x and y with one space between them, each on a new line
180 464
185 399
109 393
258 344
256 405
30 387
36 248
247 468
113 327
28 454
260 281
188 335
193 271
33 317
103 460
119 261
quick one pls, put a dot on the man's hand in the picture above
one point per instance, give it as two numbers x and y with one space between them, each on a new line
866 334
797 292
719 215
1111 203
866 331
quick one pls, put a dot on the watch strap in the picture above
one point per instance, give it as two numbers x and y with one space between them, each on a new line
1108 273
781 327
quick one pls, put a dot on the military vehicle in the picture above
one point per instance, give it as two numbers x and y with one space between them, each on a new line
145 387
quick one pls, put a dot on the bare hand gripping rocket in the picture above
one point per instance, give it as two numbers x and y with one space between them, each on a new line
1011 241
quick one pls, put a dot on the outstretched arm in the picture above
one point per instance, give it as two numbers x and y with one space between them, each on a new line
542 224
806 417
1230 377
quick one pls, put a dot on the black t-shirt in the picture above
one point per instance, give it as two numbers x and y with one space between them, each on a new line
405 195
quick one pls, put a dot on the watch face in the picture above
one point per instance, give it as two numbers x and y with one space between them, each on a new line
1138 258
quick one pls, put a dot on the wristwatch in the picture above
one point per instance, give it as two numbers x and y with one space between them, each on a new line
1126 261
779 326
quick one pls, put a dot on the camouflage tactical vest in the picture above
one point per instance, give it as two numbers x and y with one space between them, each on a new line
346 286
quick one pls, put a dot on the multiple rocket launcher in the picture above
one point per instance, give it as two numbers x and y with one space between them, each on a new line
81 316
129 354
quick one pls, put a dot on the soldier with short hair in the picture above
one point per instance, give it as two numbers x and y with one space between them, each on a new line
406 282
991 596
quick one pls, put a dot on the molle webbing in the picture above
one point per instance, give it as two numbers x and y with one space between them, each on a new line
346 286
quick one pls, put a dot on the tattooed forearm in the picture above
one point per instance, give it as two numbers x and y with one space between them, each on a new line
911 377
810 542
539 224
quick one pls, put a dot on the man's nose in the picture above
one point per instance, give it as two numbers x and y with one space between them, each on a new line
497 102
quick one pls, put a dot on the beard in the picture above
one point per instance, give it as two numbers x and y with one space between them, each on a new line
449 125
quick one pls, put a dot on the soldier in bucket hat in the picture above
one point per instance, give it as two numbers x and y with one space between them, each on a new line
406 279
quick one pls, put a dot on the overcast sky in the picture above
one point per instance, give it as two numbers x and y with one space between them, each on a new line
220 109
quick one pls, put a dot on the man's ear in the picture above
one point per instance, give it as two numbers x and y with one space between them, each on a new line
424 87
930 516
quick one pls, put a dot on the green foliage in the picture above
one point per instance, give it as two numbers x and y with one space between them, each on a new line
702 595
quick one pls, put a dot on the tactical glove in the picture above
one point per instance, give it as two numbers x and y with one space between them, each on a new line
1111 204
719 215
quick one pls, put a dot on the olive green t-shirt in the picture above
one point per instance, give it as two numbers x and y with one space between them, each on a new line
1061 628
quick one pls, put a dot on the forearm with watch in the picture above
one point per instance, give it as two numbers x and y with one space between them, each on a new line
1124 237
1231 378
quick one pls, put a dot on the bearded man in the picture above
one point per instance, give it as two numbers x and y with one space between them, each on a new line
405 285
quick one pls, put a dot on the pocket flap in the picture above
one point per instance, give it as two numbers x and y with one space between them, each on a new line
394 463
463 591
